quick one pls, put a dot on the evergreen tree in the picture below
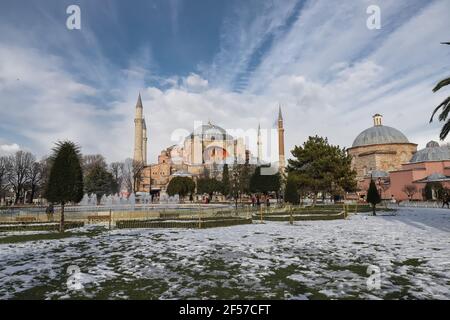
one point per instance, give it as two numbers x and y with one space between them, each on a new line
65 182
373 196
290 193
209 186
322 168
181 186
99 181
225 180
264 183
433 188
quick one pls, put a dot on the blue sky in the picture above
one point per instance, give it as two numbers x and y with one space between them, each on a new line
231 62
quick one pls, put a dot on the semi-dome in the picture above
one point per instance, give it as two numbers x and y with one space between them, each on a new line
379 134
432 152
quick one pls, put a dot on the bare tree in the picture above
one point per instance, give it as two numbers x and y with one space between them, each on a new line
91 161
410 190
3 176
132 176
19 165
35 176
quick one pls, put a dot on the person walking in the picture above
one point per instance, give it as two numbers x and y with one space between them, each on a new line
445 200
49 211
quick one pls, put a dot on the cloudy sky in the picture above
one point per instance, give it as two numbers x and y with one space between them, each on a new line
230 62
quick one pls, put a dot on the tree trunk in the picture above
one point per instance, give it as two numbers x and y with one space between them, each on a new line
373 207
314 200
16 200
61 224
33 191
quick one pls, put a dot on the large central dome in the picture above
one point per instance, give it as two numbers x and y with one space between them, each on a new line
211 131
379 134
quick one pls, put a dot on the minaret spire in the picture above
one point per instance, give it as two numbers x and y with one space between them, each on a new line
144 143
259 145
139 132
281 158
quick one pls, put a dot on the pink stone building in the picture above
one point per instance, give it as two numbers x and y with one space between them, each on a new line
429 165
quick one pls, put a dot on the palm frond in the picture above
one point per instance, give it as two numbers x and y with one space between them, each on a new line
445 130
445 109
441 84
443 104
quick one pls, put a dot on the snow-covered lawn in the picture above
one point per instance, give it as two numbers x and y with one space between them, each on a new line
310 260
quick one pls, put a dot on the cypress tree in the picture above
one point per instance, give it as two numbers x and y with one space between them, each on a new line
65 183
225 180
373 196
290 192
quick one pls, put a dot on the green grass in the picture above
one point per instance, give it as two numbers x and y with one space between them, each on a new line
49 236
413 262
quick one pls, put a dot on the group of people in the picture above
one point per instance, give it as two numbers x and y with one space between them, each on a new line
256 201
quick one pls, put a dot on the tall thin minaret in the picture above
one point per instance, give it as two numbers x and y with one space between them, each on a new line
281 159
138 132
144 147
259 144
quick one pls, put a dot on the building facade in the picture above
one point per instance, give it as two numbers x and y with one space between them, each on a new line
379 150
385 155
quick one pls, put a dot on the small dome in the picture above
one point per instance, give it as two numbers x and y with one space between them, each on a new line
378 174
379 134
433 152
436 176
432 144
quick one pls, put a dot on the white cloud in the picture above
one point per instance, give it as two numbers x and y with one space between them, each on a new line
6 149
195 82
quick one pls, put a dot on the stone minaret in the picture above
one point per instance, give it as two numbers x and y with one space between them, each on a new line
259 144
144 147
138 132
281 159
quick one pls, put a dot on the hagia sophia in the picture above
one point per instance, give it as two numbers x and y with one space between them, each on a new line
381 153
203 153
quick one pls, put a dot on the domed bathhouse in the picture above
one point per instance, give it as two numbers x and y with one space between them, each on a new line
379 150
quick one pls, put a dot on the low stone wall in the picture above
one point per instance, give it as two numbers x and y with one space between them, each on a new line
301 217
182 223
38 226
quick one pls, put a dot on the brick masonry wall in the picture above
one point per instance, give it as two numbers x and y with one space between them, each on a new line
384 157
